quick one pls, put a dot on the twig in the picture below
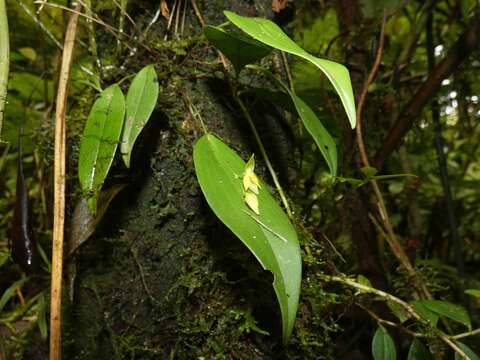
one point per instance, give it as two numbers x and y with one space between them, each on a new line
409 309
363 95
379 320
391 237
59 187
197 12
4 59
466 334
182 27
91 34
112 30
465 45
287 70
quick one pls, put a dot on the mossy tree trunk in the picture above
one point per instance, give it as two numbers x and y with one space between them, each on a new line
162 277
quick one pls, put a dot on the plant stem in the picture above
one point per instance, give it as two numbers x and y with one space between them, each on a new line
448 340
4 59
466 334
247 116
59 187
390 234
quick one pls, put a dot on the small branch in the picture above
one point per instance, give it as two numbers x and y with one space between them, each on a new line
448 340
465 45
59 188
4 59
391 238
379 320
466 334
363 95
198 13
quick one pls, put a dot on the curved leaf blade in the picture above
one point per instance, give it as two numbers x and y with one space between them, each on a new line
240 50
269 235
141 100
314 126
321 136
99 142
272 35
452 311
383 347
466 349
424 312
418 351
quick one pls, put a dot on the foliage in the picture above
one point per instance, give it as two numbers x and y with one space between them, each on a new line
99 142
141 100
383 347
266 231
163 277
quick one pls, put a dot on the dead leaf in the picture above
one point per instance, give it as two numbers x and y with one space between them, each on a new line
164 9
279 5
84 223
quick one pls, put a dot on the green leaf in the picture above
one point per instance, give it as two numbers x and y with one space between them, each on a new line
418 351
10 292
320 135
368 171
469 352
239 49
269 235
452 311
398 311
279 98
141 100
99 142
362 279
272 35
41 316
383 347
473 292
424 312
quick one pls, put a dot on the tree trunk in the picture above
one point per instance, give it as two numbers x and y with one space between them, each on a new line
162 278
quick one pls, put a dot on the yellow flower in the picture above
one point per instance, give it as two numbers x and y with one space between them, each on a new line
252 202
250 179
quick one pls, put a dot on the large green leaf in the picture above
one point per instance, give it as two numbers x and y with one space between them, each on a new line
418 351
269 235
322 137
99 142
469 352
141 100
473 292
452 311
424 312
239 49
314 126
272 35
383 347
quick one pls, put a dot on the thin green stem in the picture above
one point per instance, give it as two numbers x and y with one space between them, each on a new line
4 59
247 116
466 334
